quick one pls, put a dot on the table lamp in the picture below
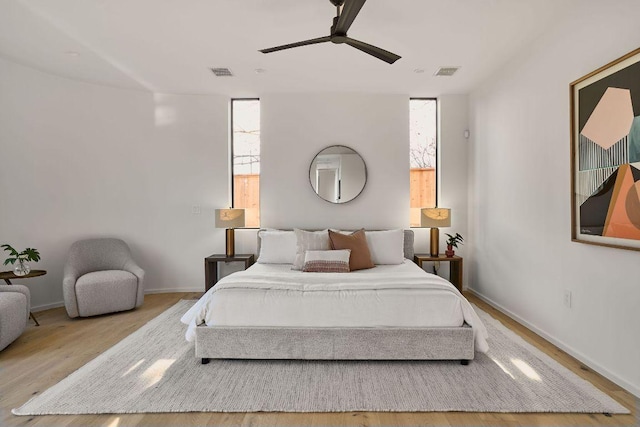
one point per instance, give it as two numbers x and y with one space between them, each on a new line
230 219
434 218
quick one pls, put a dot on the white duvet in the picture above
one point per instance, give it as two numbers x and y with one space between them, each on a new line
385 296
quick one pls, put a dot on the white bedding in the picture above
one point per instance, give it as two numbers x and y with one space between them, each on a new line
401 295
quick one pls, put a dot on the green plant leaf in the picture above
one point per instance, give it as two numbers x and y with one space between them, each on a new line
31 254
454 240
10 249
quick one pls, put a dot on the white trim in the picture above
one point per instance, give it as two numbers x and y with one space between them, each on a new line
43 307
631 388
58 304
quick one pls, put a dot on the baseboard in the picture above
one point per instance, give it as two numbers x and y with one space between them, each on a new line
43 307
631 388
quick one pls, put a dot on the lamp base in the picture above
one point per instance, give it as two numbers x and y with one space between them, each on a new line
230 242
435 242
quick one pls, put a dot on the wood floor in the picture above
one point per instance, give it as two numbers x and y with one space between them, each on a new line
44 355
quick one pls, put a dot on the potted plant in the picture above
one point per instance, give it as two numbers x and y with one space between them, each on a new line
29 254
452 242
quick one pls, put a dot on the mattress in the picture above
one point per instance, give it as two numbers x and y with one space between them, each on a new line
273 295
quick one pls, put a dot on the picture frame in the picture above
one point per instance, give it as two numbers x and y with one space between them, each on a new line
605 155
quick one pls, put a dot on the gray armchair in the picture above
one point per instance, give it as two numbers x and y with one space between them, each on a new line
101 277
15 304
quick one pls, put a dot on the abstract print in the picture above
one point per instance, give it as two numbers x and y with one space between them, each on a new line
607 187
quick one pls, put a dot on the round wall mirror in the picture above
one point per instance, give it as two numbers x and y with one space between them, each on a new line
338 174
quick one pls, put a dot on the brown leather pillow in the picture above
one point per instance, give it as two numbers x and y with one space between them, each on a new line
357 242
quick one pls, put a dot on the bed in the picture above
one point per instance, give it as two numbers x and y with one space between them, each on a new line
390 312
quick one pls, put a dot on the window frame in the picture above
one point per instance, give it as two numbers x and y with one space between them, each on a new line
231 159
437 154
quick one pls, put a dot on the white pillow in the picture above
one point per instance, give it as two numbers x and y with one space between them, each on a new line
309 240
277 247
386 247
327 261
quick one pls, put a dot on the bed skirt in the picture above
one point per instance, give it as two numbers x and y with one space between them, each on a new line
228 342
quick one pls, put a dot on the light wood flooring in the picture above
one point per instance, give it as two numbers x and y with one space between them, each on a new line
44 355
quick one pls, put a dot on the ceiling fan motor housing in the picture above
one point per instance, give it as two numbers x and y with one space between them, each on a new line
338 38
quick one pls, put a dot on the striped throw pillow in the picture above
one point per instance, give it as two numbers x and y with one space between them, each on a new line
327 261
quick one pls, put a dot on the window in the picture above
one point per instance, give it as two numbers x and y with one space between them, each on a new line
423 122
245 152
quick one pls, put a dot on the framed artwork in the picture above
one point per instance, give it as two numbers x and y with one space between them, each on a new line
605 155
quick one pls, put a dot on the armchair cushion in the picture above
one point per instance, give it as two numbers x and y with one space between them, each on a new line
14 312
106 291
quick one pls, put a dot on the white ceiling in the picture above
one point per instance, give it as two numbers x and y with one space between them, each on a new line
169 45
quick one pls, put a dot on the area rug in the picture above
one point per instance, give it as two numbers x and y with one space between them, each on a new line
155 370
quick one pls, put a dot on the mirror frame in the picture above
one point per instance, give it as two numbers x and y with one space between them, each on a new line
366 174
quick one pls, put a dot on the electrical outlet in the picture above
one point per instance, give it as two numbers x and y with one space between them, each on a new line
196 210
567 298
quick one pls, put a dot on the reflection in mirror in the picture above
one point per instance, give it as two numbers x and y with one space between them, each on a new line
338 174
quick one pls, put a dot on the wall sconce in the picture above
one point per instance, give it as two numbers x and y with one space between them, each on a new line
230 219
434 218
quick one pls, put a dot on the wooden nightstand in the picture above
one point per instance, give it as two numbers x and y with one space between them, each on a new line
211 266
455 266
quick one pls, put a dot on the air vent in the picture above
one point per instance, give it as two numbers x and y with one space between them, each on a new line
446 71
222 72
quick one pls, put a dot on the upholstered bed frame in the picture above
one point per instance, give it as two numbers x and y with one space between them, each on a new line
235 342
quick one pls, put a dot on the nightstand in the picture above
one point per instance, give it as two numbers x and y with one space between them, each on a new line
211 266
455 266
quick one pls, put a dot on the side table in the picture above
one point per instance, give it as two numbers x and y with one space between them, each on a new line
455 266
7 276
211 266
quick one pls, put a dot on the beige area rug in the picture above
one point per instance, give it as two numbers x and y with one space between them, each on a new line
155 370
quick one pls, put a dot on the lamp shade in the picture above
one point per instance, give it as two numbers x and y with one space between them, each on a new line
435 217
229 218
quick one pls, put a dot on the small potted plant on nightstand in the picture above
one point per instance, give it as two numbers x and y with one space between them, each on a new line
452 242
29 254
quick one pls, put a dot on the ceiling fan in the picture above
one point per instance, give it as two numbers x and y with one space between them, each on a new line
347 10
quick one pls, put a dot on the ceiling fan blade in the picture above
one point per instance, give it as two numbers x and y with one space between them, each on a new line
379 53
349 12
298 44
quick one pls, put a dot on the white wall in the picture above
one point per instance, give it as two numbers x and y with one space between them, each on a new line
82 160
294 128
523 259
